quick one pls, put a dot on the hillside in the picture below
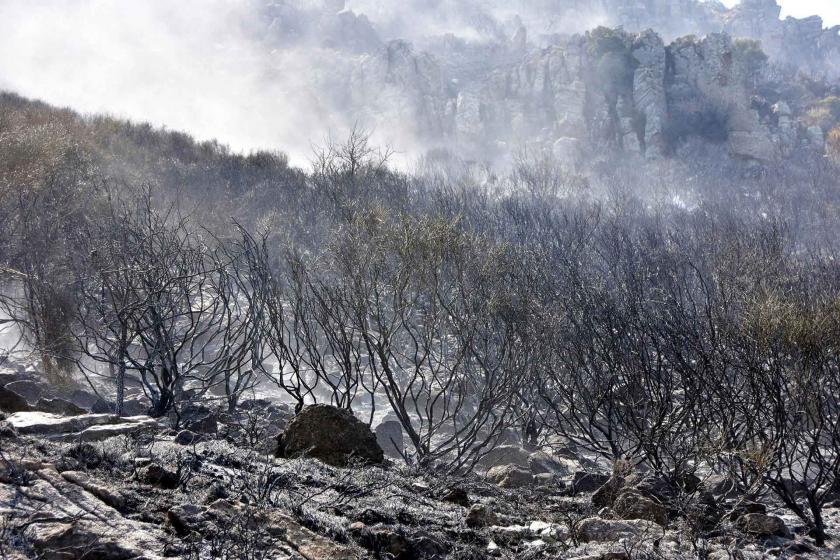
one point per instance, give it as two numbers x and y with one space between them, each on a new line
596 317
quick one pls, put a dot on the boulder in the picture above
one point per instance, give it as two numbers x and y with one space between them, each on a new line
722 486
132 406
632 504
595 529
186 518
744 507
332 435
510 476
763 525
82 399
389 436
206 424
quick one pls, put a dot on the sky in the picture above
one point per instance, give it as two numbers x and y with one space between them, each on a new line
829 10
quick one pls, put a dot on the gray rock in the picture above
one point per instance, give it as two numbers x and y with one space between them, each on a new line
87 427
722 486
186 518
63 520
82 399
540 462
102 491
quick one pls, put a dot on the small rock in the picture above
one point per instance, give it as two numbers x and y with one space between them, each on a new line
356 527
186 437
542 463
632 504
584 482
606 494
216 491
762 525
481 515
158 475
457 495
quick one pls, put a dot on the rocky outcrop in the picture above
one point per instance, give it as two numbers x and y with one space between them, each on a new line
710 96
330 434
65 520
87 427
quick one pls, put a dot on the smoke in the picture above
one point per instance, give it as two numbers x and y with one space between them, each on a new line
259 74
251 73
195 65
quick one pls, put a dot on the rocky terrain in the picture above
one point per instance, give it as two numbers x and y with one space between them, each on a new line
667 73
260 483
597 320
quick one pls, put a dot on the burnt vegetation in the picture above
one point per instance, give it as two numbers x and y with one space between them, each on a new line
586 312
